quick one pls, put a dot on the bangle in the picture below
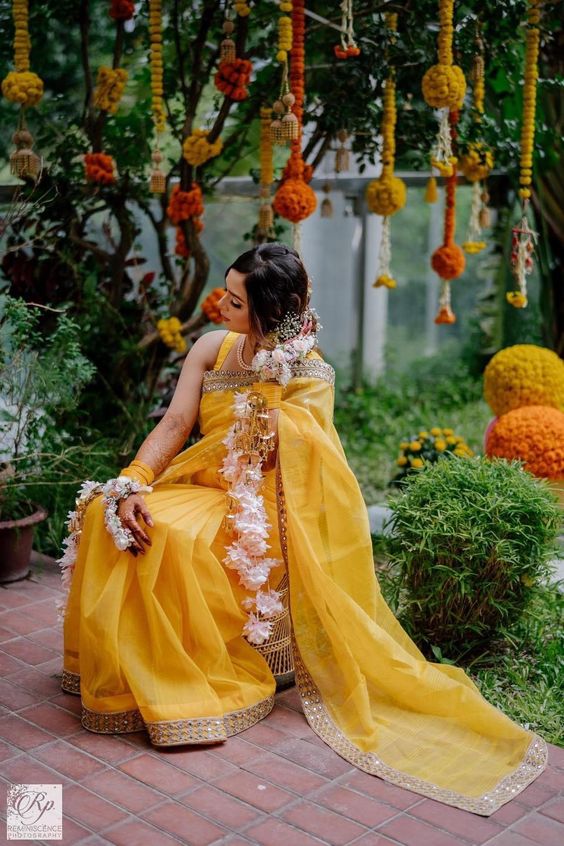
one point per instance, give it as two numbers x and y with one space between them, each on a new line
139 470
271 391
112 493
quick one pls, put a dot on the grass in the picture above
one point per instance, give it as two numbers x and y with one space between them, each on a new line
373 420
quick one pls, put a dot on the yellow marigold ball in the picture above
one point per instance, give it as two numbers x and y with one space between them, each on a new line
477 163
386 195
534 434
197 149
524 375
444 86
23 87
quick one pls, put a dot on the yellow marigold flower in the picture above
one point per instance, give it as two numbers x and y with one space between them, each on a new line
415 446
440 444
436 431
448 431
522 375
402 461
423 434
417 463
404 445
451 440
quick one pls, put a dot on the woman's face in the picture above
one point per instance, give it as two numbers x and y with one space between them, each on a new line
233 305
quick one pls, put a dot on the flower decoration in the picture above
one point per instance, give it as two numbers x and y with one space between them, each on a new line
210 305
122 10
522 375
533 434
295 200
232 78
427 447
157 181
266 215
184 205
197 150
249 442
524 238
109 88
23 87
348 48
100 168
284 126
169 329
444 87
293 339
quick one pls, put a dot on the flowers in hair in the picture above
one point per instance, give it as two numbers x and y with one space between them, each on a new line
295 337
247 519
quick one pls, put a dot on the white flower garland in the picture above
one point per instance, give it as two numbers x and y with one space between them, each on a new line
249 523
113 491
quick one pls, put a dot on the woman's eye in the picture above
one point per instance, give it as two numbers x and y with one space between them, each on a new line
235 305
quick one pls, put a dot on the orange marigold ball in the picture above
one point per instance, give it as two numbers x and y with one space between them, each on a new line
524 374
100 168
122 10
448 261
183 205
534 434
294 200
233 77
210 305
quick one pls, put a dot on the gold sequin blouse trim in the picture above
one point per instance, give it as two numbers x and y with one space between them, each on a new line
176 732
322 724
227 380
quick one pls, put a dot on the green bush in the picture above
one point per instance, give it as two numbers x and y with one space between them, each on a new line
471 542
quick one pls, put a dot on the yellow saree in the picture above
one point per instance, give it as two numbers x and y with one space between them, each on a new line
155 642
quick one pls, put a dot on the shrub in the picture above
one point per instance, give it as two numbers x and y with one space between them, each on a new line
471 542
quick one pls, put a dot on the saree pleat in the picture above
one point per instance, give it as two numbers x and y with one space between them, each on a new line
156 641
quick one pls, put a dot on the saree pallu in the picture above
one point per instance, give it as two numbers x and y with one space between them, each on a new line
155 642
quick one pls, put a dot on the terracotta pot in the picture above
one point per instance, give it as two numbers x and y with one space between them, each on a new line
16 539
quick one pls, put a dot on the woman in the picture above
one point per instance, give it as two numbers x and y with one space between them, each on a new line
184 627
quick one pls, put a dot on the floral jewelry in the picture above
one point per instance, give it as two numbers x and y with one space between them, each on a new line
112 493
249 442
294 337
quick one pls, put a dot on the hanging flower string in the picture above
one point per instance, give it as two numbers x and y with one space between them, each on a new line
265 220
523 237
295 199
197 150
444 87
157 179
387 194
448 261
477 163
170 331
348 47
249 442
25 88
284 127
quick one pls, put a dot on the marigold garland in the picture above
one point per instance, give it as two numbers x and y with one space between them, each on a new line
265 220
109 88
295 200
533 434
157 179
284 127
210 305
348 48
524 374
22 85
524 238
197 150
232 78
121 10
184 205
169 329
181 248
100 168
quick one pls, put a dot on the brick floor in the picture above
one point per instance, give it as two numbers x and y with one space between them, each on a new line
276 783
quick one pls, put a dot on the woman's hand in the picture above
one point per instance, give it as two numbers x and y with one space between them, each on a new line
129 510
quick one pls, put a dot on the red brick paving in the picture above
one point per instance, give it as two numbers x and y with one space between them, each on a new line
277 783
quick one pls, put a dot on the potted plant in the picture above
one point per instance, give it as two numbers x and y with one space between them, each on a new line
39 381
472 539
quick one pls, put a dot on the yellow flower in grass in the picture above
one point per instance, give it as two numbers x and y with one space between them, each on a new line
423 434
415 446
402 461
404 445
440 444
448 431
417 463
451 440
436 431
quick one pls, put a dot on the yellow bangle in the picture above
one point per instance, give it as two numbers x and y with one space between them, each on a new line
139 470
271 391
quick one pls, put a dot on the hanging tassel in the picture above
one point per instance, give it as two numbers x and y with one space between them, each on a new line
385 278
431 192
326 205
474 242
445 313
523 242
342 155
227 50
442 157
157 184
24 162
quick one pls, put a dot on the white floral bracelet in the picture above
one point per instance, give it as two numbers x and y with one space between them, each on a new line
112 493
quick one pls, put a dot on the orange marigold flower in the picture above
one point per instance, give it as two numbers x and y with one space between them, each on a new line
210 305
122 10
448 261
534 434
294 200
233 77
100 168
183 205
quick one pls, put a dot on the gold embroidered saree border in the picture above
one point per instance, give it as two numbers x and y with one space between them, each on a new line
226 380
70 682
323 725
196 730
